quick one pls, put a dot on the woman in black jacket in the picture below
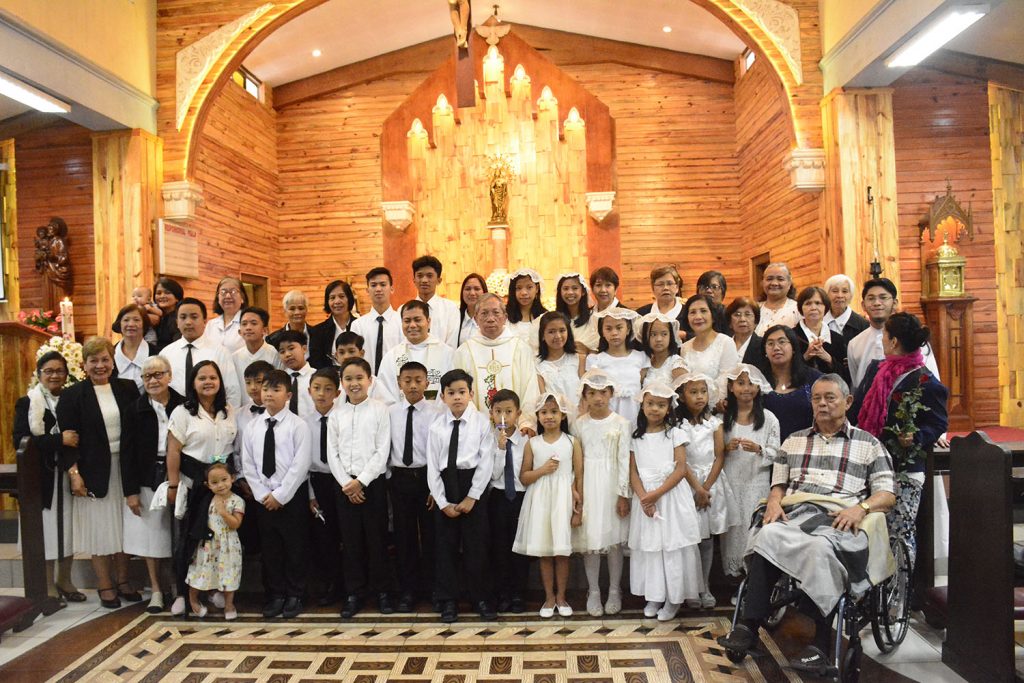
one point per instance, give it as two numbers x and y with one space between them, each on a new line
99 409
339 303
35 418
147 533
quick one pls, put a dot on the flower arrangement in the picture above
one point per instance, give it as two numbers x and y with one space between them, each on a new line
497 282
908 405
72 352
44 320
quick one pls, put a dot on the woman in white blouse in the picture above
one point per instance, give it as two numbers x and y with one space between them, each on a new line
201 431
132 351
708 352
779 306
230 299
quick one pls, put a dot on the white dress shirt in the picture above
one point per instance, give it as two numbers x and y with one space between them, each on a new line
424 414
444 319
518 440
131 368
476 450
837 324
243 359
204 437
434 354
225 335
367 327
243 418
788 315
867 346
358 441
313 422
306 407
175 353
291 456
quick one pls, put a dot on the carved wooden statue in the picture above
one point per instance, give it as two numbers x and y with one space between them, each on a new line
53 260
459 11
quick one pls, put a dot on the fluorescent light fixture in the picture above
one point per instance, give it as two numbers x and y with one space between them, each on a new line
317 52
666 29
936 34
26 94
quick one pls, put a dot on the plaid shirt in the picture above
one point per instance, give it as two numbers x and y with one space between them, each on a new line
851 464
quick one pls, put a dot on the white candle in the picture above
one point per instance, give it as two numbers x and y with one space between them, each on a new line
67 319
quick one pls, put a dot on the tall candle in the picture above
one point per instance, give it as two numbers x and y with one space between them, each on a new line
67 319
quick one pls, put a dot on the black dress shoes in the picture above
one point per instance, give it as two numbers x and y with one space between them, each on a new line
384 604
504 603
406 603
351 607
329 598
292 608
273 608
485 610
518 605
449 614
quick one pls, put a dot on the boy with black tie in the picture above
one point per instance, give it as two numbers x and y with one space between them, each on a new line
291 349
411 504
323 490
253 374
358 442
460 457
505 503
275 461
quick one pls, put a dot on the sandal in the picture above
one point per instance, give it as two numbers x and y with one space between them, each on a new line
131 595
72 594
112 603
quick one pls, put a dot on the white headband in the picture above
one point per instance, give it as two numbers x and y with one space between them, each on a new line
660 390
618 313
655 316
528 272
582 280
688 377
561 401
756 377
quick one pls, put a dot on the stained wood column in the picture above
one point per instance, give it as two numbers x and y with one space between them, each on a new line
9 309
1006 126
860 152
127 169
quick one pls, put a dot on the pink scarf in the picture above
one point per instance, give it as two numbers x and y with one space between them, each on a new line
875 408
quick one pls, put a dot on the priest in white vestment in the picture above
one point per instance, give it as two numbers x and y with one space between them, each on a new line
498 361
417 344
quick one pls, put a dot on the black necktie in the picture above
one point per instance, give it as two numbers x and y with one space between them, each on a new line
256 409
378 351
269 450
450 474
407 451
323 438
293 405
510 474
188 364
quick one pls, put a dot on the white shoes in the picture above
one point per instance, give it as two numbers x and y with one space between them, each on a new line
230 615
156 603
564 610
692 603
707 600
614 603
651 609
594 604
546 612
178 608
217 599
668 611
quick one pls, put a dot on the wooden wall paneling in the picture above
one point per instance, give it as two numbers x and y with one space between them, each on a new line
55 179
940 128
18 346
1006 117
9 206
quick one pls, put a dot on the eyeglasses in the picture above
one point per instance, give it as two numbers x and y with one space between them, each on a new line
743 313
154 375
53 372
714 287
779 344
665 283
882 299
229 292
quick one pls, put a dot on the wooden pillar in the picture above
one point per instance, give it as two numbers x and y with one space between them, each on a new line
1006 135
12 291
127 170
860 152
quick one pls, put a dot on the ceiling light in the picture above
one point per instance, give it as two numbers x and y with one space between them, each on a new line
26 94
666 29
317 52
936 34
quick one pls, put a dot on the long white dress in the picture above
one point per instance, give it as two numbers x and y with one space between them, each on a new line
664 563
545 523
750 477
605 445
99 522
700 456
664 373
528 331
625 373
719 356
562 376
149 534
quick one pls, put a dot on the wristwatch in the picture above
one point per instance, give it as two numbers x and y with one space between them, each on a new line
867 508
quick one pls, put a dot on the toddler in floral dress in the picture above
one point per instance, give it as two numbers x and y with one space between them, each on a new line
217 564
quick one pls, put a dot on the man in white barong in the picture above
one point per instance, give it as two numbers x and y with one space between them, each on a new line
826 480
418 344
498 361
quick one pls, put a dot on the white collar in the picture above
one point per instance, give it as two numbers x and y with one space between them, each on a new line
826 334
125 360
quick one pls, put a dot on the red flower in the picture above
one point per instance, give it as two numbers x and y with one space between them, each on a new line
22 316
898 396
923 379
59 319
52 328
490 395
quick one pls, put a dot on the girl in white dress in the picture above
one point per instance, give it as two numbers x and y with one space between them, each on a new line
217 564
751 441
572 298
658 335
617 357
551 471
708 352
524 308
706 456
559 366
604 437
663 529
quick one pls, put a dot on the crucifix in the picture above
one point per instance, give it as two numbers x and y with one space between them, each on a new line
462 20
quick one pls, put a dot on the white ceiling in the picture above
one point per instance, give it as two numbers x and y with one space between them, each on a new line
349 31
997 35
9 107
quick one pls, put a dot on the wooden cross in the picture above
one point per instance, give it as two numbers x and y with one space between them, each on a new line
465 81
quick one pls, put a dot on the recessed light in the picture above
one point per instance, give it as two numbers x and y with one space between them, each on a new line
317 52
936 34
666 29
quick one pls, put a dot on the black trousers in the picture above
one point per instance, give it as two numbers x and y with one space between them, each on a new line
414 529
284 536
363 530
325 536
510 569
467 532
762 576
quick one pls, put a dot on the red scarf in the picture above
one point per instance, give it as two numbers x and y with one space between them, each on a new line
875 408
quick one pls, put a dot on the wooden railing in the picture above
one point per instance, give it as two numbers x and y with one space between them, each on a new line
18 346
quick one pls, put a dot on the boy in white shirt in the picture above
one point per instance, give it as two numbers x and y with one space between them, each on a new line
460 457
411 504
426 275
358 442
275 461
323 490
505 502
252 327
254 375
291 349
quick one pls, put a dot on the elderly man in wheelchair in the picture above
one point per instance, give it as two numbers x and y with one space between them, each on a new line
822 526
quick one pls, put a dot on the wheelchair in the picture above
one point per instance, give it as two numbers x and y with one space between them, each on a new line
886 607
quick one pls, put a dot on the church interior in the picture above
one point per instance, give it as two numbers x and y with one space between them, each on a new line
290 143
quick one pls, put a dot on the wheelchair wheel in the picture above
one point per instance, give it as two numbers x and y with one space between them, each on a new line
896 613
879 608
850 672
735 656
779 591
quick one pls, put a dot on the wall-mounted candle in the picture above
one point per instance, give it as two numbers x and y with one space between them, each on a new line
67 319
